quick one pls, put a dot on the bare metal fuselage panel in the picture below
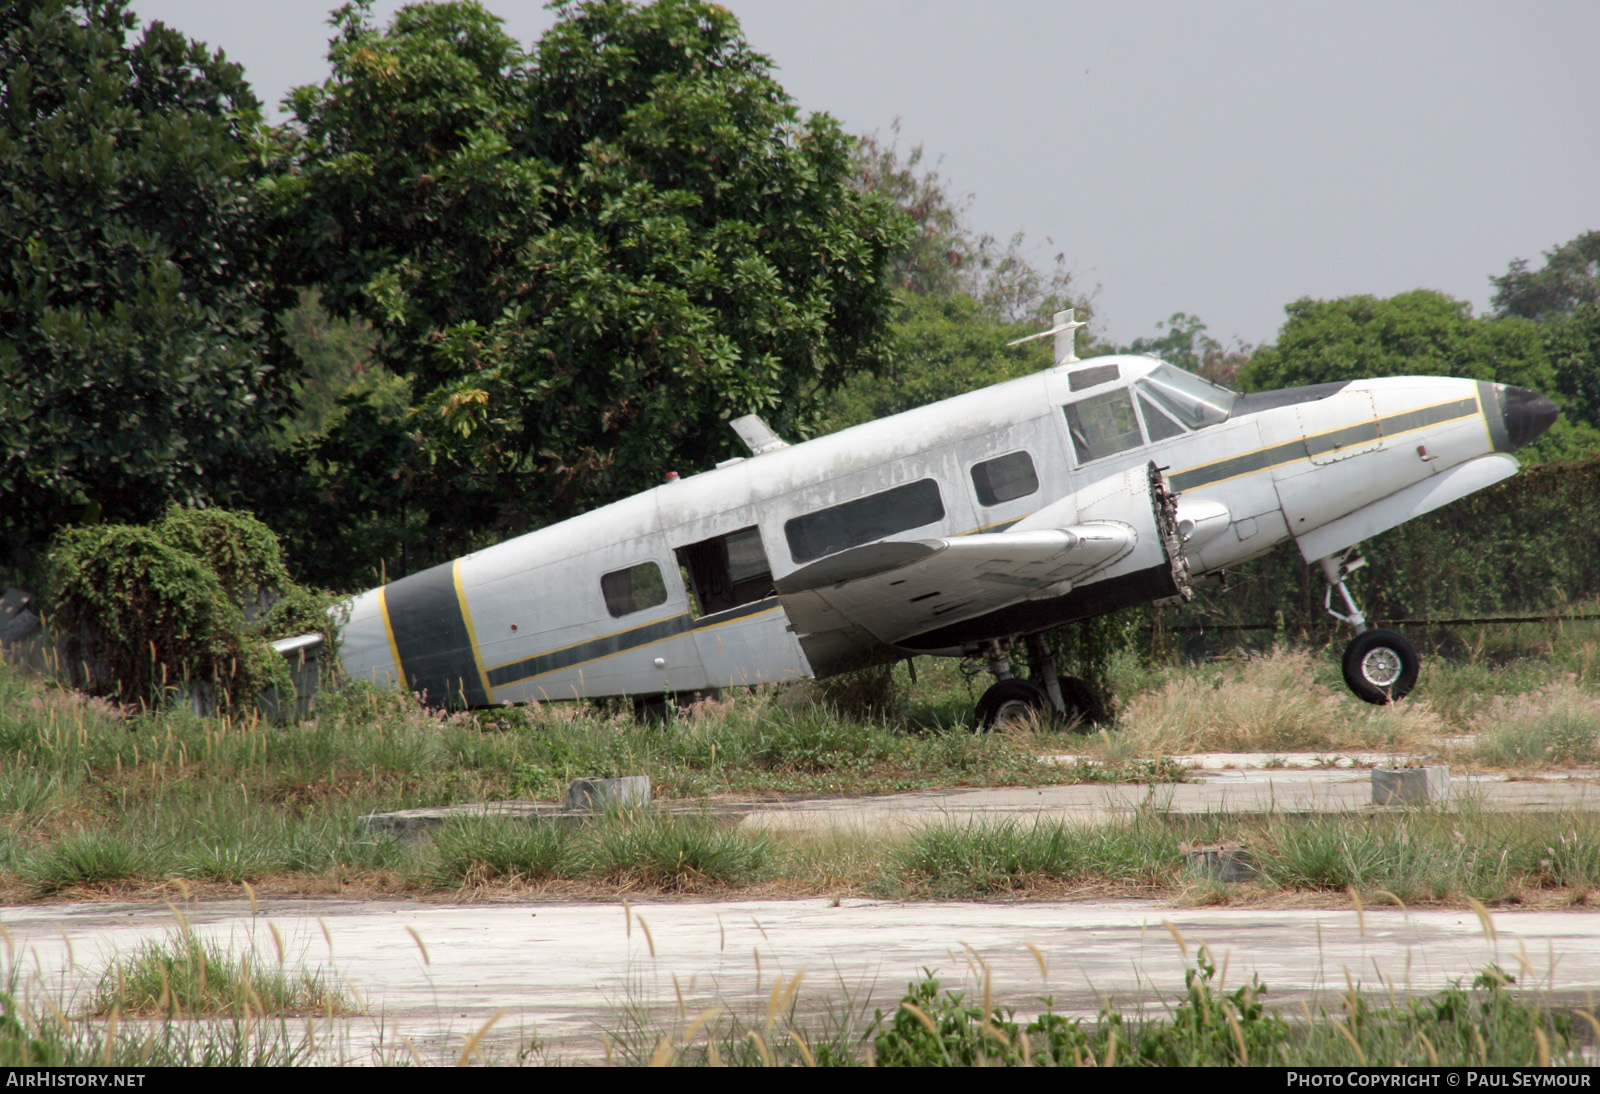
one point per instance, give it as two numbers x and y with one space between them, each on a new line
735 577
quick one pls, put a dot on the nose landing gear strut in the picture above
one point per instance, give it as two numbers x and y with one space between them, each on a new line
1380 665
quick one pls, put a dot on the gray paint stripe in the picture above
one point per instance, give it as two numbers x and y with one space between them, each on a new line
597 648
1360 433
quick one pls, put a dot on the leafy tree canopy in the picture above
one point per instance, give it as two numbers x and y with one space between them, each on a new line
962 296
945 346
584 259
1420 333
131 370
1186 344
1569 279
1565 296
944 257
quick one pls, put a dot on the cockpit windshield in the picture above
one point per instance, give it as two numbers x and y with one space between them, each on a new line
1195 402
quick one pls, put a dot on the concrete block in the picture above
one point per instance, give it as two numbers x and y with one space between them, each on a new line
1227 862
1410 786
601 794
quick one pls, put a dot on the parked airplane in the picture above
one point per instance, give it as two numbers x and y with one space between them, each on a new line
963 529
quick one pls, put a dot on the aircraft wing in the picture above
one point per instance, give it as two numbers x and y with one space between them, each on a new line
895 590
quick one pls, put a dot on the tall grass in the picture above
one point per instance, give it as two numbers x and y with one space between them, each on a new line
1420 856
976 860
1264 703
1558 723
1486 1023
187 976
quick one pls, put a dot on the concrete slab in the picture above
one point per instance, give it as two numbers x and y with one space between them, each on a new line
1258 790
560 971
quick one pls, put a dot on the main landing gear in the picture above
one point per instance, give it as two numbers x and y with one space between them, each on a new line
1380 665
1013 701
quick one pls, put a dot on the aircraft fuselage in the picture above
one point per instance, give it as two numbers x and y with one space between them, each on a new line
702 582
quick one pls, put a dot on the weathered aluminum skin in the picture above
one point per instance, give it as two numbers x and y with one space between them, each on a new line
526 620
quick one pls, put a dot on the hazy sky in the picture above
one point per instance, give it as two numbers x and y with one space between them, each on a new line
1219 158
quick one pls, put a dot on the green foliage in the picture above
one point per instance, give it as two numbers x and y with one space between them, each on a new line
132 374
337 368
677 854
473 851
89 858
1570 279
144 612
1187 345
934 1027
1419 333
583 260
968 861
144 616
943 258
946 346
1573 344
238 548
1487 1024
187 976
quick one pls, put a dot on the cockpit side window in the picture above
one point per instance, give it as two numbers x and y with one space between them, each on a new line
1194 402
1103 425
1157 424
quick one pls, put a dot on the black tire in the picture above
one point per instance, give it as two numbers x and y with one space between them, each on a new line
1011 701
1083 705
1381 666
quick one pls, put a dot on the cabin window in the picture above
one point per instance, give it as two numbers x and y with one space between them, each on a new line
840 527
1103 425
1004 478
1157 424
726 571
634 589
1084 378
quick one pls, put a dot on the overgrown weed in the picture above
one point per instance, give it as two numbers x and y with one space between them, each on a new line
185 976
1266 703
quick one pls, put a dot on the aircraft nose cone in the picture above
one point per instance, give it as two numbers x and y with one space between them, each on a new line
1526 415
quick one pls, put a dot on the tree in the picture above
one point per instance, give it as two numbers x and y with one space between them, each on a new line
945 346
1565 297
1420 333
584 260
943 257
131 371
1570 278
962 297
1187 345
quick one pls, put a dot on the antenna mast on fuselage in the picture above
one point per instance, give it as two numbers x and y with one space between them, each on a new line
1064 325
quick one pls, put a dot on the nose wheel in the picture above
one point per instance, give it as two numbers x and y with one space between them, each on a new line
1380 665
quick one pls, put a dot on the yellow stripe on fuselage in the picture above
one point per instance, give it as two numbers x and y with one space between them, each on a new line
388 632
472 634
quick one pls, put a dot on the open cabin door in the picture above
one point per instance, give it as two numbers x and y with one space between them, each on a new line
740 627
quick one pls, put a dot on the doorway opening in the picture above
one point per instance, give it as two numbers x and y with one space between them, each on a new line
725 571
